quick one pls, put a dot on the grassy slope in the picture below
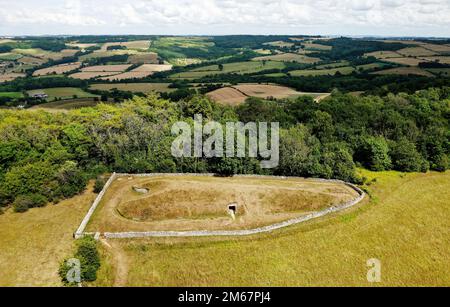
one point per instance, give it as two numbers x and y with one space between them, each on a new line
405 225
34 243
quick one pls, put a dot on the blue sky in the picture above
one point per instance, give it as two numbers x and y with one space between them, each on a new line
208 17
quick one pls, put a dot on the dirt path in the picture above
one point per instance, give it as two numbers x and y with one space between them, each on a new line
120 263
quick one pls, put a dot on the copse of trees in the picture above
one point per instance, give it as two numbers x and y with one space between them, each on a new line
48 157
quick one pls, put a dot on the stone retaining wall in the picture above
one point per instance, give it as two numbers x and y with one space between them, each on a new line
207 233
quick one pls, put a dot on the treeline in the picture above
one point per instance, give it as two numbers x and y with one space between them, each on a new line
47 157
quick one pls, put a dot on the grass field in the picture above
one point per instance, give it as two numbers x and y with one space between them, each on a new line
405 226
405 71
237 68
67 104
319 47
408 61
34 243
416 51
10 76
10 56
11 94
439 71
135 87
288 57
322 72
238 94
201 203
57 69
62 93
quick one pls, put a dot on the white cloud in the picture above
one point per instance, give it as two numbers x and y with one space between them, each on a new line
396 17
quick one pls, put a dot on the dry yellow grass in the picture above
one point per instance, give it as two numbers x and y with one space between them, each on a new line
57 69
10 76
440 59
405 226
228 96
143 58
384 54
140 72
416 51
313 46
138 45
438 48
201 203
34 243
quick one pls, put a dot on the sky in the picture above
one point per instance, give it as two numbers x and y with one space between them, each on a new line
222 17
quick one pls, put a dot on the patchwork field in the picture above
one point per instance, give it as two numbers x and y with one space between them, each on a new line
92 72
405 71
183 203
58 69
136 45
319 47
140 72
236 68
134 87
237 94
62 93
405 225
144 58
288 57
416 51
405 61
321 72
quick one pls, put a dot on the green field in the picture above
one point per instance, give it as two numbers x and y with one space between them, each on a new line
10 56
322 72
237 68
327 69
13 95
62 93
69 104
405 225
135 87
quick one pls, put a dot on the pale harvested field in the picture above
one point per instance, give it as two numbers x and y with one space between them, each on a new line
138 45
313 46
416 51
153 68
143 58
440 59
128 75
201 203
80 45
34 243
135 87
384 54
438 48
280 44
264 91
27 60
106 68
288 57
405 61
227 95
404 71
237 94
139 72
10 76
91 75
58 69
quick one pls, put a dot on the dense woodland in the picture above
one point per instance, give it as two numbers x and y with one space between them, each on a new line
46 157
